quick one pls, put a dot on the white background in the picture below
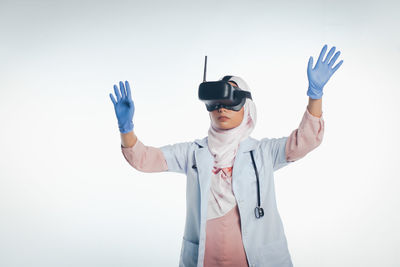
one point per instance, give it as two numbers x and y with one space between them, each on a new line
69 198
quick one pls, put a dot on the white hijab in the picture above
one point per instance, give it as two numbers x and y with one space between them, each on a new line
223 144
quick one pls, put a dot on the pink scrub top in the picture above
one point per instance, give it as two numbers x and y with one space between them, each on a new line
224 245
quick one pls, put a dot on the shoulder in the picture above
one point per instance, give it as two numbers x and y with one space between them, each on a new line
272 141
184 147
264 144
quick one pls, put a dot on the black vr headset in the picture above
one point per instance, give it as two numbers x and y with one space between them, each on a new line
221 94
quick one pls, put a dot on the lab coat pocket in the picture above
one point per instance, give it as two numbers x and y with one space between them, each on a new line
274 254
189 253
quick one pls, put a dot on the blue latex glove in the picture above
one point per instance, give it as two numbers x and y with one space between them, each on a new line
319 76
124 107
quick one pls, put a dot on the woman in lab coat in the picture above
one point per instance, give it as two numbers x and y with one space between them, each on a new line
224 188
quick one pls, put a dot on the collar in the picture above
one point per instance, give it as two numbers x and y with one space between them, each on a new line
246 145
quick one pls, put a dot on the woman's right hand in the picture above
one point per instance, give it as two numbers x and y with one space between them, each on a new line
124 107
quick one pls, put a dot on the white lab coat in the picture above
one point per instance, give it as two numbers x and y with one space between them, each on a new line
264 239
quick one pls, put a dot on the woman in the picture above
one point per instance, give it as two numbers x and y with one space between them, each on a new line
223 227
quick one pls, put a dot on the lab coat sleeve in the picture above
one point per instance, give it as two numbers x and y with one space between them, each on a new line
275 147
145 158
177 156
306 137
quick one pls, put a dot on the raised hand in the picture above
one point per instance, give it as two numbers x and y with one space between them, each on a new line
322 72
124 107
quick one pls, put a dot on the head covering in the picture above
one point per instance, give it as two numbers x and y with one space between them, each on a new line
223 144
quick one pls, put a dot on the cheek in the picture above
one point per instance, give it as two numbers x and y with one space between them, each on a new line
240 115
240 120
213 117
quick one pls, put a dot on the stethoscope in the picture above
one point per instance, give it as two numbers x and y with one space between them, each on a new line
258 211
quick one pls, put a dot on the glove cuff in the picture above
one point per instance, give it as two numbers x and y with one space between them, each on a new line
314 93
126 127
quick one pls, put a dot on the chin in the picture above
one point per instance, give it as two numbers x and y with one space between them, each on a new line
220 127
225 127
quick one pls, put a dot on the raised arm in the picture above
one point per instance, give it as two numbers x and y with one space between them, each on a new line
144 158
315 107
128 139
311 129
141 157
306 137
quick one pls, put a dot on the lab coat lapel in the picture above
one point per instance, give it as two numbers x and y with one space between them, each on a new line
204 161
242 158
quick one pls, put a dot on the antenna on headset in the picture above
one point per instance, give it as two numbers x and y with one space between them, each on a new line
205 69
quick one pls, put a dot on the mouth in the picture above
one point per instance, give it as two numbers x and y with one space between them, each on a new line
223 118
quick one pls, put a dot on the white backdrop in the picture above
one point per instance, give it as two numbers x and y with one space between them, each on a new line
69 198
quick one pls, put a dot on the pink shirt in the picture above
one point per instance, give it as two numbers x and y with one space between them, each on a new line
224 245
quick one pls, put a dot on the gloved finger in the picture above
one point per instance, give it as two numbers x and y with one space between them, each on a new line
330 64
113 99
117 93
310 63
330 53
122 88
337 66
128 90
321 55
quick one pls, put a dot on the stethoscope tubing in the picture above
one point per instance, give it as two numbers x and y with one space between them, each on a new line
258 211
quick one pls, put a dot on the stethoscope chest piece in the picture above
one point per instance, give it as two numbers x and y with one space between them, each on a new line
259 212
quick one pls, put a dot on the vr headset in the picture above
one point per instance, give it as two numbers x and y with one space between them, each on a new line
221 94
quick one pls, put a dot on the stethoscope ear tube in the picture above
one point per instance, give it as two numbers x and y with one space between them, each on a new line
259 212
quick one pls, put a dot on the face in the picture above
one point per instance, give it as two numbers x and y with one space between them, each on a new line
232 120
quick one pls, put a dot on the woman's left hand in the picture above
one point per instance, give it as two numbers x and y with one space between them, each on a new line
322 72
